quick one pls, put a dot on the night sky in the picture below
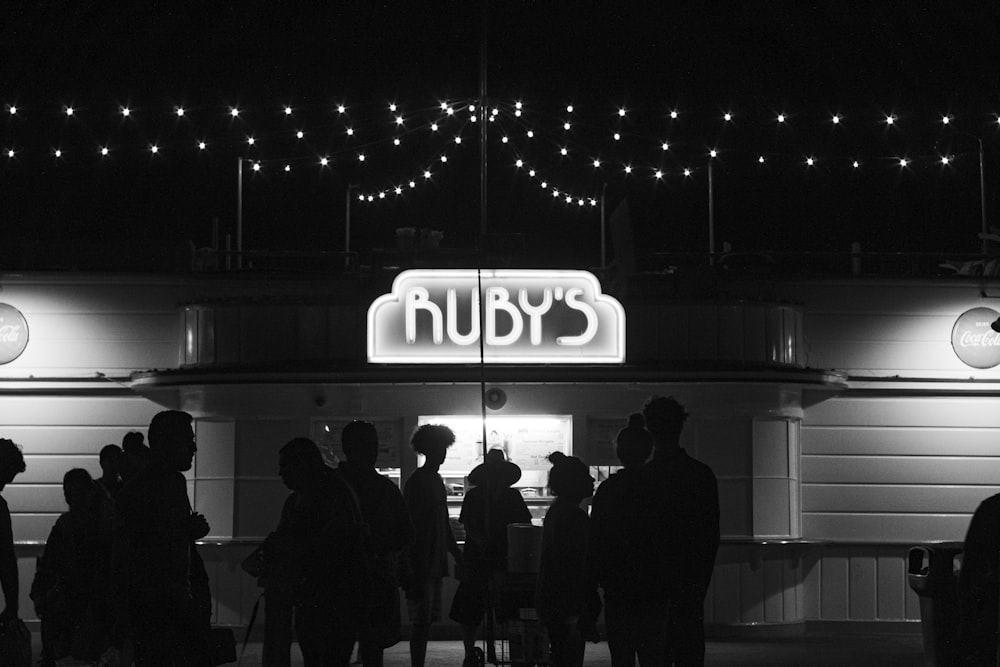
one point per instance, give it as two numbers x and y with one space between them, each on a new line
864 61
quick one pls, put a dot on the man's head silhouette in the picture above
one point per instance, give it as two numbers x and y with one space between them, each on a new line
171 439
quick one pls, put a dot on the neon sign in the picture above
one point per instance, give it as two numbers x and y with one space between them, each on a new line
544 317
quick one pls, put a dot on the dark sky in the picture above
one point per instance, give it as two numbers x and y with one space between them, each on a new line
757 59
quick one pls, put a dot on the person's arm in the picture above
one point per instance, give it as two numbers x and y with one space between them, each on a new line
8 567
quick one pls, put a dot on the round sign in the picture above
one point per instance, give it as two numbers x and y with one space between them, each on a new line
13 333
974 340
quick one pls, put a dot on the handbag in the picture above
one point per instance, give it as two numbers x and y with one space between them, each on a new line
15 644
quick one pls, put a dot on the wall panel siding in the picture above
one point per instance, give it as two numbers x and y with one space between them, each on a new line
902 441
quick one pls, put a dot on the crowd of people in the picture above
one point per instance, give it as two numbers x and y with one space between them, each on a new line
121 575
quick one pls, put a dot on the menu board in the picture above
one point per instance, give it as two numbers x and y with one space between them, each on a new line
326 434
526 440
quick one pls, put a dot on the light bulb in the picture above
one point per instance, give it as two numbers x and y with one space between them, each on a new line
563 151
810 161
781 118
300 134
855 164
665 146
13 109
659 174
628 169
396 141
413 184
727 117
381 195
597 163
154 149
569 199
104 150
903 162
451 112
621 112
544 185
617 136
341 108
531 134
399 120
350 131
673 114
444 158
945 120
201 145
324 161
836 119
234 112
58 153
687 172
434 127
10 153
518 105
444 106
519 163
472 108
531 172
945 160
180 111
392 108
288 168
371 197
251 141
361 157
361 197
69 111
458 140
399 190
288 111
565 126
126 112
518 113
427 174
761 159
504 139
569 109
256 166
713 153
889 120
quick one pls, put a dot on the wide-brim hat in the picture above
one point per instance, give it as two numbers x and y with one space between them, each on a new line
496 469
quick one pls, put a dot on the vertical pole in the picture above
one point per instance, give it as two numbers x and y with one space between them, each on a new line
239 213
982 197
711 216
347 226
604 252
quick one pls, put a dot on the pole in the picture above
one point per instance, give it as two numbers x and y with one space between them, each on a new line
604 251
347 225
982 197
711 217
239 213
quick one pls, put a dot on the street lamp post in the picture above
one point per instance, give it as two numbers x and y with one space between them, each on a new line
347 224
982 191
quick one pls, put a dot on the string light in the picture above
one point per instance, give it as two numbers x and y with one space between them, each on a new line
760 159
504 139
890 120
341 108
392 107
444 158
427 174
903 162
444 106
687 172
727 117
945 120
434 127
835 119
300 134
399 120
665 146
855 164
945 160
350 131
10 153
458 140
566 125
179 111
450 112
201 145
256 166
564 151
569 109
69 111
628 169
658 174
104 150
674 114
288 111
597 163
617 136
531 134
713 153
781 118
58 153
621 112
126 112
519 163
251 141
810 161
288 168
234 112
324 161
12 110
154 149
396 141
361 157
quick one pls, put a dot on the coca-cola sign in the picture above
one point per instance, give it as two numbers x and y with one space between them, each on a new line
974 340
13 333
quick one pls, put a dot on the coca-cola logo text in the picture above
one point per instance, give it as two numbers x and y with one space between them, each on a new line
13 333
974 340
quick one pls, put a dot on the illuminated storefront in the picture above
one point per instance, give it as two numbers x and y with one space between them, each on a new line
845 420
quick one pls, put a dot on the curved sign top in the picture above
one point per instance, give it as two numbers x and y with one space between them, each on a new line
13 333
528 317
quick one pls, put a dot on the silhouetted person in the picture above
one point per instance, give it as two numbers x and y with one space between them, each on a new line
110 480
489 506
135 455
319 543
390 531
426 564
978 584
72 585
11 464
567 599
154 533
635 617
686 503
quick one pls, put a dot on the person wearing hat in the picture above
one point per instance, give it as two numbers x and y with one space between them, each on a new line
489 506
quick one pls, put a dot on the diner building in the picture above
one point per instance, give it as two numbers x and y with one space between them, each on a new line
846 417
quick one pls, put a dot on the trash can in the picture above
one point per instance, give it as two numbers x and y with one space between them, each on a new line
933 574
